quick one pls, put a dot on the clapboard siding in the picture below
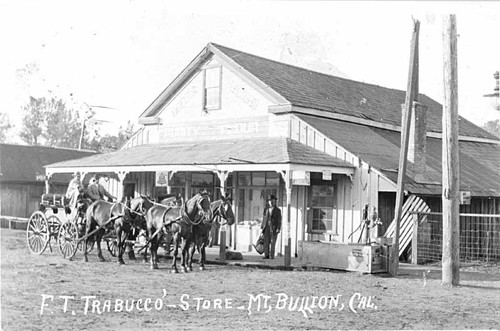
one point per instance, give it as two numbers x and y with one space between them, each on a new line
21 200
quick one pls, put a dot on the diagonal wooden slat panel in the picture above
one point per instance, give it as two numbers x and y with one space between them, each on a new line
412 204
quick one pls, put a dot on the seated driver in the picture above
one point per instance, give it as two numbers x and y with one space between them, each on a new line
96 191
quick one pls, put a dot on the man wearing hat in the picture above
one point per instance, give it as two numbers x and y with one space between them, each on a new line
271 226
96 191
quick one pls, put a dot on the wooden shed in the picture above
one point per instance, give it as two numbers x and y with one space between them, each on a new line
22 176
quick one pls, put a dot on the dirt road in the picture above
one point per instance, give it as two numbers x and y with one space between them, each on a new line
48 292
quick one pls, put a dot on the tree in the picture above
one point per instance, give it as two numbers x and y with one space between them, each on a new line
63 125
33 121
50 122
110 143
5 126
493 127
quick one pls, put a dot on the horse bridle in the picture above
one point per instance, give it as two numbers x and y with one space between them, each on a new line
201 212
221 211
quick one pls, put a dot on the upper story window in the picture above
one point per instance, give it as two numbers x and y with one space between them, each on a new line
212 88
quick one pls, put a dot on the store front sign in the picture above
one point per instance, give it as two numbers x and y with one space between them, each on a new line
465 197
215 129
327 175
161 178
301 178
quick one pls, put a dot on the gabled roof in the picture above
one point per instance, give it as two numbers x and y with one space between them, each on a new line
309 89
479 162
276 150
19 163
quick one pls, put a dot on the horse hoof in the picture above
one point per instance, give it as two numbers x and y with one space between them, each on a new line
131 256
121 262
190 269
153 267
85 260
202 268
175 271
102 260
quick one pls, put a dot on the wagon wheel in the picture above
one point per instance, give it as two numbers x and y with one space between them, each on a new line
37 233
54 225
67 239
112 247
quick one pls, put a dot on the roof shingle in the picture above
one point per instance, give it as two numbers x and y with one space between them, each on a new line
264 150
479 162
310 89
19 163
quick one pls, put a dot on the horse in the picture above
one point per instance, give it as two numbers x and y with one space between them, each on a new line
82 204
136 209
222 211
103 215
171 200
178 221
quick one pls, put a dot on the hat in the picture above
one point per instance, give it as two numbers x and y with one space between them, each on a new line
271 197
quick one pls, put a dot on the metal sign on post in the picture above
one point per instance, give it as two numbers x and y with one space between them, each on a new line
465 197
327 175
301 178
161 178
41 178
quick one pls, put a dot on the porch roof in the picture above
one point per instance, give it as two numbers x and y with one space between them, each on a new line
235 154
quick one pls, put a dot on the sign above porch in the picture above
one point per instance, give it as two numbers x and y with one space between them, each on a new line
214 129
301 178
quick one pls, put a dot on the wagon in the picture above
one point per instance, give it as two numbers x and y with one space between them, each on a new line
50 223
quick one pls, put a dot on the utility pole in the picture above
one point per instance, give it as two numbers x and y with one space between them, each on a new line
411 97
450 154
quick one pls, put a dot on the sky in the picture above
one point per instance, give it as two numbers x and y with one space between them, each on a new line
117 56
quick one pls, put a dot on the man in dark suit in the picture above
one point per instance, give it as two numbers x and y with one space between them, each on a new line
271 226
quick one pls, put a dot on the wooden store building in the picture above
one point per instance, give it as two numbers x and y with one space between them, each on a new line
325 146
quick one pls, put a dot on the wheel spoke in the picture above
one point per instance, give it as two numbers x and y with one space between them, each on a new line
66 240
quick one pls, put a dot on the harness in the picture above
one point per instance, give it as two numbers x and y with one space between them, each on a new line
182 217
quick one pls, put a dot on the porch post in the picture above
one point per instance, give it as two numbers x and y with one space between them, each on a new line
121 186
288 243
48 175
222 242
82 176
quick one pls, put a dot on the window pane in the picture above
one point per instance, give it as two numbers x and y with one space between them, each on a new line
178 179
322 219
323 196
272 179
259 178
229 180
212 97
212 77
244 178
201 179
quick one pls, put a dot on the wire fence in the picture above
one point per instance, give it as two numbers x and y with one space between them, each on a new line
479 238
